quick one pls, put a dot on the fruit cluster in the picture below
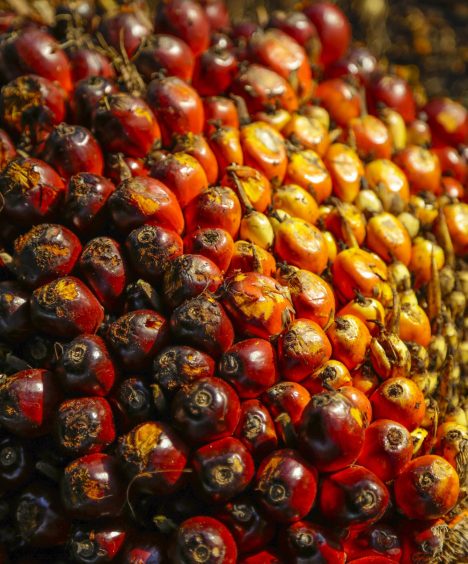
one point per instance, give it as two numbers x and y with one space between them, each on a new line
232 293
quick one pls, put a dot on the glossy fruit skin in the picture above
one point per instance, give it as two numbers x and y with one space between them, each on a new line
198 147
221 111
205 410
256 429
66 307
350 339
331 431
96 544
286 486
249 527
86 95
214 71
136 337
216 207
153 456
392 92
331 374
133 402
50 526
354 497
225 144
305 541
421 167
387 449
379 541
125 124
85 62
213 243
102 266
150 248
223 469
358 63
71 149
250 367
448 121
286 398
400 400
34 50
163 52
7 149
16 464
32 191
248 257
333 30
45 252
28 399
390 183
272 309
125 29
85 367
371 137
427 488
264 149
14 312
177 106
203 323
144 547
92 487
387 237
203 537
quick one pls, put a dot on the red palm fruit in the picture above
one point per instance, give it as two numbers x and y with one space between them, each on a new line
256 429
280 52
71 149
387 449
197 146
141 200
142 295
84 426
258 305
220 111
222 469
452 163
250 528
264 148
377 541
305 541
125 30
85 367
50 526
182 173
96 543
32 191
103 267
448 121
249 366
400 400
392 92
371 137
30 102
427 488
226 146
45 252
92 487
28 399
34 50
133 402
311 296
85 202
286 486
350 339
185 19
213 243
150 248
331 431
251 186
7 149
86 62
125 124
215 69
205 410
341 100
359 400
145 547
263 89
119 167
86 96
16 464
421 167
266 556
153 457
302 348
177 366
332 374
66 307
285 402
248 257
177 106
333 30
216 206
167 53
217 13
14 312
358 63
452 188
203 537
298 26
354 497
203 323
188 276
136 337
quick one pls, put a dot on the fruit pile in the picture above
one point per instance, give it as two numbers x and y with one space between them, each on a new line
233 287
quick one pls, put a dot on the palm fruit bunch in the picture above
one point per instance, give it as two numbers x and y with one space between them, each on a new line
233 288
